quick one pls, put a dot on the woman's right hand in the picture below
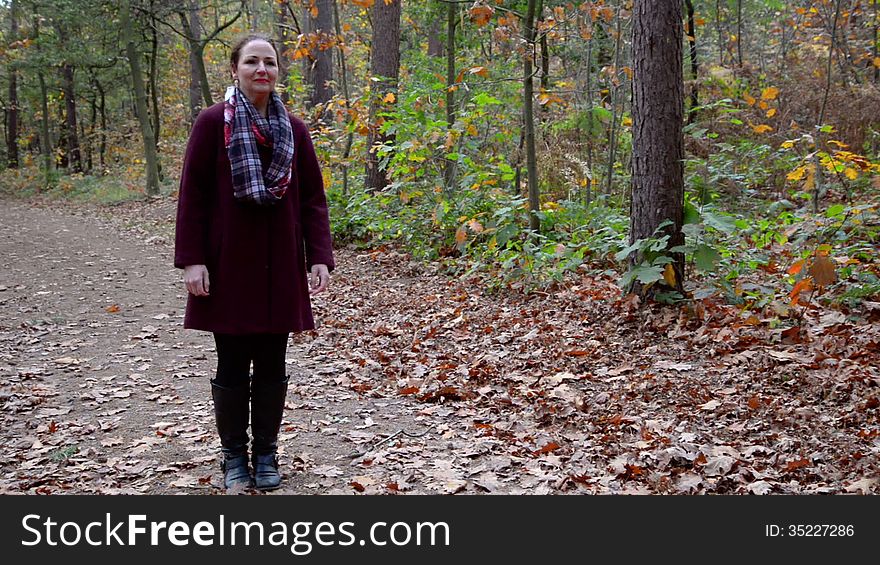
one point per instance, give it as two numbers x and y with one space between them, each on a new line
196 279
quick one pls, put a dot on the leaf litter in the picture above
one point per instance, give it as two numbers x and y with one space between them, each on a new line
417 382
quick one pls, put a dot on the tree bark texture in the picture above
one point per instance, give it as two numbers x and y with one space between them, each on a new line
384 66
322 57
657 108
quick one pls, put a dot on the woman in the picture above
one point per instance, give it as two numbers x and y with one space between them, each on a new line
251 218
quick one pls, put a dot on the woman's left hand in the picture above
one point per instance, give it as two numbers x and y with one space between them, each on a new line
320 279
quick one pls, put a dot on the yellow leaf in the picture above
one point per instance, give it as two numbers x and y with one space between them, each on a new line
877 62
851 173
762 128
699 21
838 143
472 130
787 144
481 71
460 235
627 121
771 112
770 93
750 100
763 105
796 174
669 275
389 98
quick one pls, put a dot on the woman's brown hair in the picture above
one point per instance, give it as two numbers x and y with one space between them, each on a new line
239 45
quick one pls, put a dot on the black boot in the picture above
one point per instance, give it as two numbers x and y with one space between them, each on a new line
267 410
231 412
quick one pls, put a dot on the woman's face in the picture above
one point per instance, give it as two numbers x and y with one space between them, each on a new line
257 70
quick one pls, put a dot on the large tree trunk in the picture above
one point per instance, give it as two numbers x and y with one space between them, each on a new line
12 104
140 96
529 118
657 164
322 58
384 66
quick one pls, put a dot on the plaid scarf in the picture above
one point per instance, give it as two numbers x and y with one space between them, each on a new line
243 129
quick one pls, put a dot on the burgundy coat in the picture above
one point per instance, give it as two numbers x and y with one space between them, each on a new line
257 256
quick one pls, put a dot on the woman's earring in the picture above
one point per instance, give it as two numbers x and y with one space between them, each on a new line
235 81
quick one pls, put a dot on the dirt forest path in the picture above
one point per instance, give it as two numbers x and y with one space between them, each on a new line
415 381
103 391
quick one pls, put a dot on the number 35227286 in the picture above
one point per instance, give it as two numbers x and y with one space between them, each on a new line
809 530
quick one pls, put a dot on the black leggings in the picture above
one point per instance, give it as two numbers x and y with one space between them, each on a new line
235 353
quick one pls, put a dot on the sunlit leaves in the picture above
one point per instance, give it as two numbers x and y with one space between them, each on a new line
770 93
481 14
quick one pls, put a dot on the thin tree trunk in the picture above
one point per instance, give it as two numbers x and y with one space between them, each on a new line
45 140
876 43
590 117
615 111
203 75
818 175
384 66
93 129
529 119
151 158
720 32
102 151
191 20
154 80
692 41
73 149
658 106
343 73
545 61
12 105
450 165
739 32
